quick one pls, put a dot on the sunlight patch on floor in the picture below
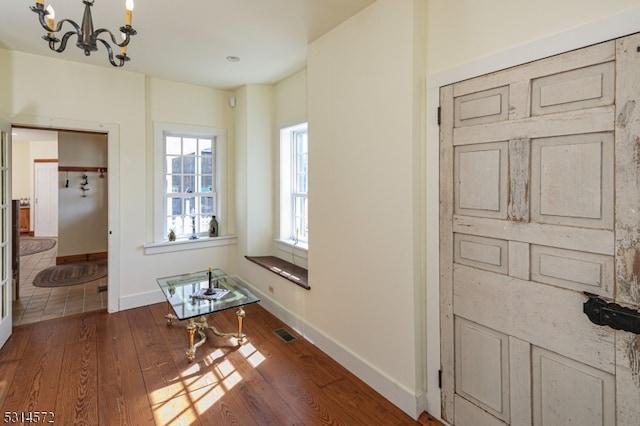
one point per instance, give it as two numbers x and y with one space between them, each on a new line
253 356
200 386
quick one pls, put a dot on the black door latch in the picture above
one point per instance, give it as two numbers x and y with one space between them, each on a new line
611 314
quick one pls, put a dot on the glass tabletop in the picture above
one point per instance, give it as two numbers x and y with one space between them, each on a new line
181 289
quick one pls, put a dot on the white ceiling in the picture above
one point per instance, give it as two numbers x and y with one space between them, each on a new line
189 40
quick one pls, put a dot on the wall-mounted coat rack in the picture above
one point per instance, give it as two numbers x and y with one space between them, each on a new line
82 169
85 180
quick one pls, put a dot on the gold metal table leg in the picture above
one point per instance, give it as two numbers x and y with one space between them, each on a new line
170 315
191 331
201 325
241 314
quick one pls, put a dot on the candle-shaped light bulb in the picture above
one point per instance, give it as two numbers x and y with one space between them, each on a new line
40 2
128 14
123 49
210 269
51 16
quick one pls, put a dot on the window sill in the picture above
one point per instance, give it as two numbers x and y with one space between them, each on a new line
287 270
186 244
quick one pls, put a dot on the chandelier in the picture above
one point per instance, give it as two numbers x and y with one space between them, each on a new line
87 38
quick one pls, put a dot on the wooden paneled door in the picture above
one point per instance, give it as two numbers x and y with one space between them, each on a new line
540 203
6 265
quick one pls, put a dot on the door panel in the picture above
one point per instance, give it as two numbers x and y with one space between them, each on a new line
566 392
481 180
580 88
46 206
572 180
6 274
483 367
531 178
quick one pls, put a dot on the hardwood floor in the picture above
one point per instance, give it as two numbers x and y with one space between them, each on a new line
130 368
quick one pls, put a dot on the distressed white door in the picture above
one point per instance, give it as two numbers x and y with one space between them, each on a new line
6 273
46 195
540 203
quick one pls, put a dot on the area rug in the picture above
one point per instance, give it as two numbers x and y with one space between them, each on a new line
71 274
35 245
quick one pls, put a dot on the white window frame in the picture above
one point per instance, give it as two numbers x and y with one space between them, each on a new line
288 234
161 130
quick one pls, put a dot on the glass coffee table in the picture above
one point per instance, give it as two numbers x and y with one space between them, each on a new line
187 299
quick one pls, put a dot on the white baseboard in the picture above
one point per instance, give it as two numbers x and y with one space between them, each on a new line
400 396
141 299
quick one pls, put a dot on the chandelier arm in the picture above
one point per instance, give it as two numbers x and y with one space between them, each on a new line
41 17
122 58
63 42
127 31
97 33
59 24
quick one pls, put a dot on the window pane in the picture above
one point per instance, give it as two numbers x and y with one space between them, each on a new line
203 223
301 183
174 164
205 146
206 206
173 183
206 183
189 182
174 145
189 206
177 223
189 164
191 224
300 218
174 206
206 166
301 143
190 146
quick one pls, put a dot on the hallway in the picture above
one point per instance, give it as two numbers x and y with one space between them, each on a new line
38 304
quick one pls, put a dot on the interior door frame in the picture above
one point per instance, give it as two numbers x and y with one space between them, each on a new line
596 32
113 158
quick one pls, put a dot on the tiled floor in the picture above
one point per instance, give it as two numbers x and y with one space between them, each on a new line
37 303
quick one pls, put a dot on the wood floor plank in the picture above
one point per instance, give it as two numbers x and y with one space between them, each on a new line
77 402
130 368
353 396
35 388
122 394
11 358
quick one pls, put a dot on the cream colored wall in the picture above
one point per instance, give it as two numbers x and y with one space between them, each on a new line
20 177
254 171
364 134
361 82
460 31
290 101
83 223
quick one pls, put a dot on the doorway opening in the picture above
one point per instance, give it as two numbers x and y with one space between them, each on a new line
60 177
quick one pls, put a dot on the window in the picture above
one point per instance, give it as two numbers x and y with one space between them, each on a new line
190 168
294 203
